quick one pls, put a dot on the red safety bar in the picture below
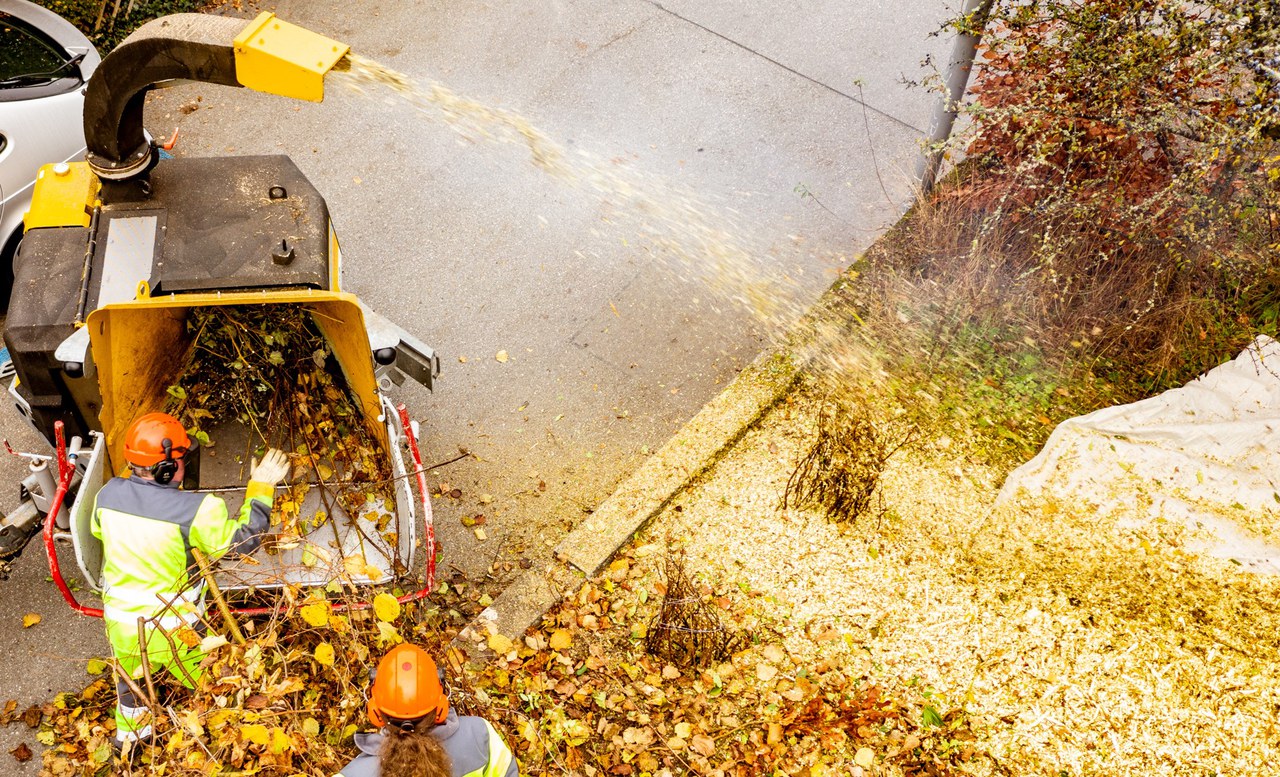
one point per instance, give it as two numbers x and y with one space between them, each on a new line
66 472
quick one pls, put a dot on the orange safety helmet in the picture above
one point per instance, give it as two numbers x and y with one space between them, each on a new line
408 687
144 441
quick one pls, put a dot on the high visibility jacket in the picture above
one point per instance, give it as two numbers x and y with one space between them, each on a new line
147 531
475 749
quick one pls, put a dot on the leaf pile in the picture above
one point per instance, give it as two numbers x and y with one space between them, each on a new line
269 368
581 694
285 703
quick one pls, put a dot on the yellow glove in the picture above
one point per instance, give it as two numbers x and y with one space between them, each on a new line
272 469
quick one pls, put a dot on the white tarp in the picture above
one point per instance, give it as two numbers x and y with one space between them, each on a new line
1206 454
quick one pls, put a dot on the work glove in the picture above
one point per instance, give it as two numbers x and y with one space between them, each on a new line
272 469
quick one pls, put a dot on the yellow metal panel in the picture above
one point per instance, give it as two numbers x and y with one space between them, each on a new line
64 196
335 260
137 347
276 57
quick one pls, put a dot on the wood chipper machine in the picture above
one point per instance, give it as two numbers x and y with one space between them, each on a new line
123 252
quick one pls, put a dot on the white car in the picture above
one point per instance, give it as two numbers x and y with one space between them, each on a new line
45 63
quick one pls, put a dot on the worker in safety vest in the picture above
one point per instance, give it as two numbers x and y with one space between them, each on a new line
148 529
420 735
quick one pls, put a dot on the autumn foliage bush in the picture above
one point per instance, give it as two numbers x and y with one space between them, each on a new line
1121 179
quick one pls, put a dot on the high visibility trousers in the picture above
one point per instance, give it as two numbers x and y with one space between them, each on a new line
133 717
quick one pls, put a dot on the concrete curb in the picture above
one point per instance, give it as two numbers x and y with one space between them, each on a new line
674 467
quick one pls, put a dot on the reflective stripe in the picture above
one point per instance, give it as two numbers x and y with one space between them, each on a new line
132 712
500 759
133 736
144 597
167 622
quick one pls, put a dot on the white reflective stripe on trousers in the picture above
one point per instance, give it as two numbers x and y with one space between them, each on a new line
167 622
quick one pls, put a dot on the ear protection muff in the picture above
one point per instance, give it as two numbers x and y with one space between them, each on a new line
165 469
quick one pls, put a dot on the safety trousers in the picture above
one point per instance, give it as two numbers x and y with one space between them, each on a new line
133 716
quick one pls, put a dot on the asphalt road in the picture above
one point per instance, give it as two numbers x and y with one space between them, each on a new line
786 124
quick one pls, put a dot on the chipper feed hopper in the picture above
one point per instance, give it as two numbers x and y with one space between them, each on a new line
122 250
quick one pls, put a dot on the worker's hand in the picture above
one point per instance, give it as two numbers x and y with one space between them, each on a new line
272 469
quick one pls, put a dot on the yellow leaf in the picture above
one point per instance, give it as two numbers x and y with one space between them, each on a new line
561 639
501 356
316 614
311 727
30 619
387 633
255 733
386 607
354 565
187 636
280 741
684 730
500 644
324 654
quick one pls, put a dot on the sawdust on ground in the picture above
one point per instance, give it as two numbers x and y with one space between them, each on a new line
1073 646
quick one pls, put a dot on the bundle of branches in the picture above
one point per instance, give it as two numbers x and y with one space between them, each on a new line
686 629
286 701
269 368
842 469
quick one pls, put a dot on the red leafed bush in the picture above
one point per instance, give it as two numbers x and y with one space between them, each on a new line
1124 154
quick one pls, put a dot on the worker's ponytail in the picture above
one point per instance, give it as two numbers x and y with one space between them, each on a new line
413 753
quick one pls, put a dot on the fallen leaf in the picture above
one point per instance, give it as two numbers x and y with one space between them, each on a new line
774 653
324 656
703 744
766 672
96 666
311 727
316 614
561 640
480 534
501 356
388 634
684 730
864 757
500 644
280 741
212 643
22 753
30 619
255 733
386 607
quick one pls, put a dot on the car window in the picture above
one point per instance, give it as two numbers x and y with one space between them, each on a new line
22 53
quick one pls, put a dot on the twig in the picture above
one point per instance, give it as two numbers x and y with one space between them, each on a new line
145 655
216 593
177 657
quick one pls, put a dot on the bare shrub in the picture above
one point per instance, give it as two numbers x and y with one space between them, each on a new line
687 631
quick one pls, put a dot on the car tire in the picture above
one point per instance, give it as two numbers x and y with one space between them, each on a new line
8 253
